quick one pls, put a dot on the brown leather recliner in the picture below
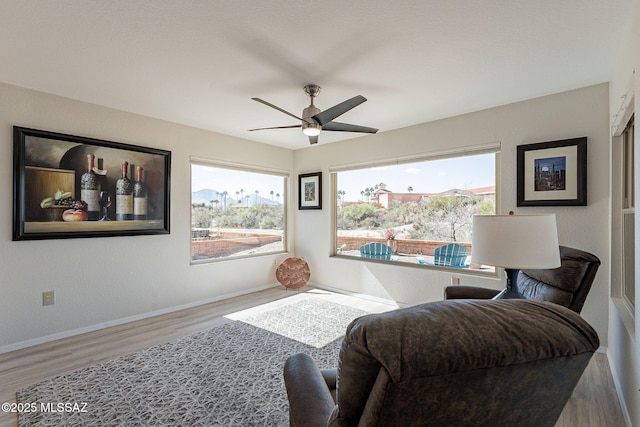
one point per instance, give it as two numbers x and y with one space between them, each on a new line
448 363
567 285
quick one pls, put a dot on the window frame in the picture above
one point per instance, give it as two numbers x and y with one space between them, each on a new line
241 167
628 212
621 205
492 148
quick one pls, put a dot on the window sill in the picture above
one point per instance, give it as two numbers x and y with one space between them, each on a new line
459 271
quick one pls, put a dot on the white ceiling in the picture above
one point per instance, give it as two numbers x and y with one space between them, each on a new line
200 62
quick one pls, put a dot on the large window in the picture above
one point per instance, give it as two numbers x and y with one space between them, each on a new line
236 212
416 208
623 213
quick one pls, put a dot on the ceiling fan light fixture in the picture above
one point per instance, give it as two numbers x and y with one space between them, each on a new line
311 129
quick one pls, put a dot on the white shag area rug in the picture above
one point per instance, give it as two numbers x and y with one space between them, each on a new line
230 375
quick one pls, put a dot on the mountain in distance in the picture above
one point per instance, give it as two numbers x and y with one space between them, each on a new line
206 196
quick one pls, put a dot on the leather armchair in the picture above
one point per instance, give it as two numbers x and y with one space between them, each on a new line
567 285
447 363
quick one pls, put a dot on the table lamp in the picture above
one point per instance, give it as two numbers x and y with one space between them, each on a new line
515 242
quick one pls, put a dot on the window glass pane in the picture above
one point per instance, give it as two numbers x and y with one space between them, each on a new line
416 209
236 213
628 166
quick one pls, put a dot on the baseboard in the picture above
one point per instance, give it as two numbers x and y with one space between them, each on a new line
117 322
616 382
358 295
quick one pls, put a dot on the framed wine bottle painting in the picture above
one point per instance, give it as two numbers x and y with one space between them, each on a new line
68 186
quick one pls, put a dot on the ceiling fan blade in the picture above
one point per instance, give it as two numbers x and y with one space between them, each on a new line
346 127
277 127
327 115
278 108
313 139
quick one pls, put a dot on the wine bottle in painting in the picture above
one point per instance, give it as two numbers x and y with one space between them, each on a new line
124 195
90 190
140 196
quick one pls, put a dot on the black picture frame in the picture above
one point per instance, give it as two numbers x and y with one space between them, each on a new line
310 191
45 162
552 173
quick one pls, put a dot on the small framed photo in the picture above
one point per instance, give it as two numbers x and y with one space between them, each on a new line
553 173
310 191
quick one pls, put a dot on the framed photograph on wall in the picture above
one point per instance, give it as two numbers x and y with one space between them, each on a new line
310 191
70 186
553 173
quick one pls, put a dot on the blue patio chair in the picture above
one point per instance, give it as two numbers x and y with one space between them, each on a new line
375 250
452 255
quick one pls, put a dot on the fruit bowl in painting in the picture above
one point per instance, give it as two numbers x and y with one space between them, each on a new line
54 213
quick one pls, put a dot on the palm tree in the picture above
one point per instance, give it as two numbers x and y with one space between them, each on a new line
224 197
278 197
409 189
271 192
241 193
247 199
257 197
238 196
212 202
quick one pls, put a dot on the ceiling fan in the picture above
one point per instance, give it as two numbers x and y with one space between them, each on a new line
313 120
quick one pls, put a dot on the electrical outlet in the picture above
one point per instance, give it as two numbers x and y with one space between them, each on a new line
48 298
455 280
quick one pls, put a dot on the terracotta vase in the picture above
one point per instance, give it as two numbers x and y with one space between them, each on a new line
394 246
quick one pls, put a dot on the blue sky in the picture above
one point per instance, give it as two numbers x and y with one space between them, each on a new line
432 176
425 177
205 177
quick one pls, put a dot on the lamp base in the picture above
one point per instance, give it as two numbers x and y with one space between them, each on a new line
511 290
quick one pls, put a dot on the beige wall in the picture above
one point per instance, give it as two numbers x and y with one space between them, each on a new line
103 280
577 113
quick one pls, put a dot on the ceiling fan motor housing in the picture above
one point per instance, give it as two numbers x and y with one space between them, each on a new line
310 127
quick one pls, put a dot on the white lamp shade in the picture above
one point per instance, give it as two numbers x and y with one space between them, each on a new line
515 241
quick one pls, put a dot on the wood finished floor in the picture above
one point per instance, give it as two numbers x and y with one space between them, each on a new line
594 402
